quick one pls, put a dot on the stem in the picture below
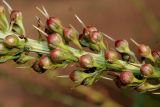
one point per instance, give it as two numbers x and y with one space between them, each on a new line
42 47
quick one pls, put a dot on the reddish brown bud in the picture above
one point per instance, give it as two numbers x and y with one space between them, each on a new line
14 14
126 77
56 55
69 33
51 21
78 76
95 37
111 55
54 25
54 39
144 50
88 30
118 83
75 75
45 62
147 70
122 46
155 54
11 41
121 43
86 61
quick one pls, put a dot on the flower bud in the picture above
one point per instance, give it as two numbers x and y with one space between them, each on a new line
54 39
122 46
56 55
37 68
126 77
111 56
79 77
54 24
88 30
45 62
95 37
70 34
118 83
17 19
11 41
144 50
76 75
86 61
155 54
15 14
147 70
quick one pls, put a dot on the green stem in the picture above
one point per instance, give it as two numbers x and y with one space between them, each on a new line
42 47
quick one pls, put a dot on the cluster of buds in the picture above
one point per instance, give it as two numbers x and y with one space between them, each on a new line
55 51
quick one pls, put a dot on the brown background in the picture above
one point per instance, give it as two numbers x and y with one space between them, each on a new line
117 18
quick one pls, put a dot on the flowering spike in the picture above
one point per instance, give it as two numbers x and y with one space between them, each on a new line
53 52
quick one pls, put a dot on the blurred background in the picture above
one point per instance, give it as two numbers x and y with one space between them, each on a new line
138 19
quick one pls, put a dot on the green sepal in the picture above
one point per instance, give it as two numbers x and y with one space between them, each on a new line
4 25
6 58
23 58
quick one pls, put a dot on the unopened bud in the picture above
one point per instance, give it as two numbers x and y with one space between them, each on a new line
155 54
54 24
95 37
88 30
70 34
15 14
145 51
54 39
11 41
80 77
56 55
147 70
122 46
37 68
86 61
45 62
126 77
111 55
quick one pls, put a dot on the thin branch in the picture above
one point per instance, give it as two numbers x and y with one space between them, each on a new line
136 43
42 12
106 78
80 21
109 37
44 9
40 30
8 6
